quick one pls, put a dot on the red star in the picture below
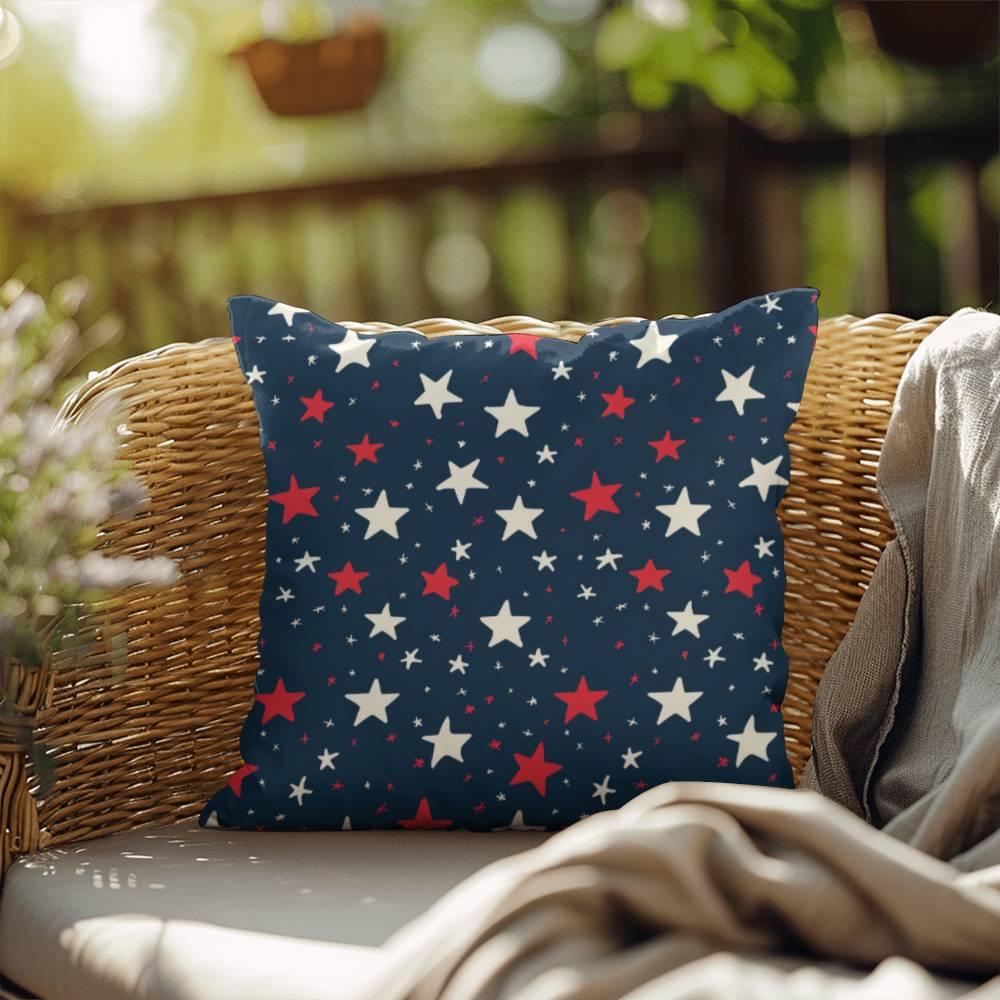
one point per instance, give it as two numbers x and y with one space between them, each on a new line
526 342
364 450
582 701
597 497
534 769
742 580
617 402
279 702
347 578
438 582
649 577
236 778
296 500
316 407
424 820
666 446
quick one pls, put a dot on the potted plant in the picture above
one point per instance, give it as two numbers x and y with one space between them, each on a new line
59 482
936 32
302 64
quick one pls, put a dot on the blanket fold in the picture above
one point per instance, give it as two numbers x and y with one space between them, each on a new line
882 877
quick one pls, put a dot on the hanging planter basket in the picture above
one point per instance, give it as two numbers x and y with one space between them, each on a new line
320 77
936 32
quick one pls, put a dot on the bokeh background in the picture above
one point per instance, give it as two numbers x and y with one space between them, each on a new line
563 158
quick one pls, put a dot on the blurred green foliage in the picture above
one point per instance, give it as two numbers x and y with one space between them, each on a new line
110 103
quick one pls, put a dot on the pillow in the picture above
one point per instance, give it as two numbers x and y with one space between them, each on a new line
512 579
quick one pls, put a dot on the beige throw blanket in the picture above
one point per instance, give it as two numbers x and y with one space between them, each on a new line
719 891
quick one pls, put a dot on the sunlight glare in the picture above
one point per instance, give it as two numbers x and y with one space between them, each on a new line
122 61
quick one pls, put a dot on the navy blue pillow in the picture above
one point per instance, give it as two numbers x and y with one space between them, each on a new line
512 580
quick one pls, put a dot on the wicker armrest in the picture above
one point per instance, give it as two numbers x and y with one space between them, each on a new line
148 736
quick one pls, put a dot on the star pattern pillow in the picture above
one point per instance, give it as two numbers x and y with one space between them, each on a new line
511 580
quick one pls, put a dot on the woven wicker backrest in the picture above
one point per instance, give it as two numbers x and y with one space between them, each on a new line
149 740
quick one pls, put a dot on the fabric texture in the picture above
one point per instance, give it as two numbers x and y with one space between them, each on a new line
712 892
906 729
184 912
513 580
705 891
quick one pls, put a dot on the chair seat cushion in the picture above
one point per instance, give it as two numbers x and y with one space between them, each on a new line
181 911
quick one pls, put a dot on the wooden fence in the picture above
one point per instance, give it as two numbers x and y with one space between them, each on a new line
698 214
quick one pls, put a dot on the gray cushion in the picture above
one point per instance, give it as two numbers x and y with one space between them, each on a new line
154 912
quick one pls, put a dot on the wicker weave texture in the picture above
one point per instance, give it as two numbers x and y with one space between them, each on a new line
145 722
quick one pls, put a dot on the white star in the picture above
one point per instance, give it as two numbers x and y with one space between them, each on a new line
461 479
764 548
738 390
561 370
299 790
461 550
714 656
683 514
750 742
512 416
608 559
517 823
538 658
458 664
285 595
436 393
603 790
410 657
545 561
764 476
546 455
687 620
372 704
762 663
384 622
255 375
770 303
353 350
586 593
654 346
326 760
505 626
446 743
519 518
381 517
285 311
631 757
676 701
306 561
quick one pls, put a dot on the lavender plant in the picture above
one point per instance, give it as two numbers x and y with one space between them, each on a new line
59 481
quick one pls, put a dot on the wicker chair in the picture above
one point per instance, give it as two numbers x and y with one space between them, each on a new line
147 740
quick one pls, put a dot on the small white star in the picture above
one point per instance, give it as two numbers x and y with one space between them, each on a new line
299 791
714 656
609 558
285 311
306 561
764 547
545 561
603 790
353 350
